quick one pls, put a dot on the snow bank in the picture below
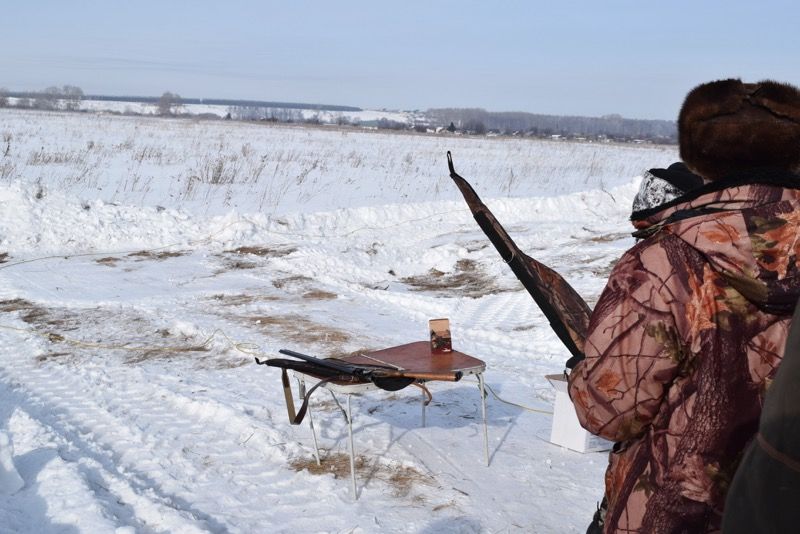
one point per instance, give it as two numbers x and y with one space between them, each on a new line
10 481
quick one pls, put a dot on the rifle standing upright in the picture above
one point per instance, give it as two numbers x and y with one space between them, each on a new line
564 308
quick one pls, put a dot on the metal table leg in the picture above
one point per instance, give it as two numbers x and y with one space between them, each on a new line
302 389
314 435
483 410
352 450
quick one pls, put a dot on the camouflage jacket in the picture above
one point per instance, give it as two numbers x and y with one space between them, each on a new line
682 344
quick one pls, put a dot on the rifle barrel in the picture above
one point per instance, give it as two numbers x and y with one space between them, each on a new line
341 367
368 372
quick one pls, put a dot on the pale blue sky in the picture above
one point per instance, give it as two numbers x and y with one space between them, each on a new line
635 58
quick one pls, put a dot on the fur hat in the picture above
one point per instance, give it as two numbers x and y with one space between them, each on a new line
728 126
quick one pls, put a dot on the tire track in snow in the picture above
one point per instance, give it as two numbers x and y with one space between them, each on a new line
120 492
156 450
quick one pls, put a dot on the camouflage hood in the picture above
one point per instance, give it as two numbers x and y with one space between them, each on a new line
760 212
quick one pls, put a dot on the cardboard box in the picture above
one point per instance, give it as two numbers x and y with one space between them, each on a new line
440 335
567 431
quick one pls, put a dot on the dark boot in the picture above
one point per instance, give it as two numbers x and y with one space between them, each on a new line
599 519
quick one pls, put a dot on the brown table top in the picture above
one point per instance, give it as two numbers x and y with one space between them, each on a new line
417 357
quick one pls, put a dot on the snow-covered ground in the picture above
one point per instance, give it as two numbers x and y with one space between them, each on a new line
147 261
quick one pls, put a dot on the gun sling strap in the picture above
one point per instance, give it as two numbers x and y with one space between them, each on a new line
326 376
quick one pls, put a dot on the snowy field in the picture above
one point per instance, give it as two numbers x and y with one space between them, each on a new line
146 261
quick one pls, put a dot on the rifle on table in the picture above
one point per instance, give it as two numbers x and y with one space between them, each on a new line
564 308
331 370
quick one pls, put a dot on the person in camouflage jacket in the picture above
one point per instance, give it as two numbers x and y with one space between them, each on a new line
692 324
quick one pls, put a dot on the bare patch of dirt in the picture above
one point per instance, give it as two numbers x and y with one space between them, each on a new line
523 328
230 364
42 358
232 300
402 479
298 329
284 283
604 272
337 464
241 299
108 261
35 315
468 279
264 252
13 305
4 257
162 255
51 323
170 346
163 353
238 265
474 246
47 322
318 294
242 257
607 238
47 318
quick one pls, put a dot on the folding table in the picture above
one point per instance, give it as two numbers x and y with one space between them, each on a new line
416 357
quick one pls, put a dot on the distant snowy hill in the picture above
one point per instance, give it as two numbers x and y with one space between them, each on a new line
322 115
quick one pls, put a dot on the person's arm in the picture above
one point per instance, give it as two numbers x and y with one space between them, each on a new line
632 351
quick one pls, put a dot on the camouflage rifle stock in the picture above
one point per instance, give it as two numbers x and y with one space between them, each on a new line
564 308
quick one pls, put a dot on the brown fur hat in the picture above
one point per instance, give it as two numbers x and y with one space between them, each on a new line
727 126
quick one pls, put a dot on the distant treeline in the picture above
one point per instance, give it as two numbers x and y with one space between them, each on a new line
456 120
612 126
209 101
